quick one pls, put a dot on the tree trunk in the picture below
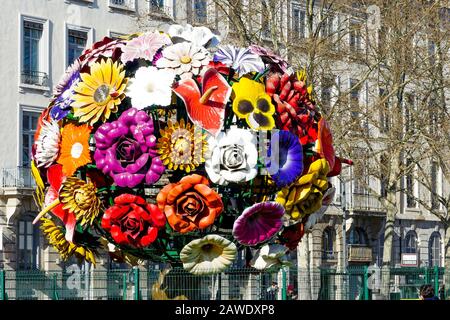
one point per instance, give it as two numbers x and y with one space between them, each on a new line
387 250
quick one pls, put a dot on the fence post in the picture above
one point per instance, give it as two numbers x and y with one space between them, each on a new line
366 283
284 287
124 285
436 280
136 283
54 288
2 285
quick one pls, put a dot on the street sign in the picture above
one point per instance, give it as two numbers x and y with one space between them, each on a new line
409 260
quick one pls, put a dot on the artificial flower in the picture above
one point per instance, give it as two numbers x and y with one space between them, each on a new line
144 46
199 36
80 197
132 221
150 86
305 196
209 255
258 223
240 59
52 203
316 216
182 146
105 48
64 91
184 58
47 144
324 143
190 204
253 104
291 235
277 62
233 157
206 108
295 110
270 255
126 149
286 164
74 148
337 168
100 92
55 236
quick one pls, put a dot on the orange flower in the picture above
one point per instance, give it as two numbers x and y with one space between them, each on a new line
74 148
190 204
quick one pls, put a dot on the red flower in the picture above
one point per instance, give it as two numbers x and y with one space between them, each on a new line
292 235
132 221
295 111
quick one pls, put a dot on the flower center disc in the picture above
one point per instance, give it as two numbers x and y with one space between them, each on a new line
77 150
101 95
185 59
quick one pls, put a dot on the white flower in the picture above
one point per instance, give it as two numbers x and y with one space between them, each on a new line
270 255
47 144
144 46
185 59
233 156
199 36
150 86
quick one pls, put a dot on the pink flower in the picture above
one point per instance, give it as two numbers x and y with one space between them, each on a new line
145 46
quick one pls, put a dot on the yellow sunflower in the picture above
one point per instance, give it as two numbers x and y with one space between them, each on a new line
100 91
80 198
182 146
66 249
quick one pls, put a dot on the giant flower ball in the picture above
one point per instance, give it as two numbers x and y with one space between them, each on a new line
170 147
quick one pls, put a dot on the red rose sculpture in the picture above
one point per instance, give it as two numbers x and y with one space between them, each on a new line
132 221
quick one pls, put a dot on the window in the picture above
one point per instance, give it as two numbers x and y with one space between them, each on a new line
328 239
29 123
410 242
434 250
357 236
410 192
434 185
200 12
409 111
298 23
327 89
355 36
27 244
156 4
77 41
354 97
431 52
327 26
31 71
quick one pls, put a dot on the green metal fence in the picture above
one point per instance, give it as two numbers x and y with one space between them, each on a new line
360 283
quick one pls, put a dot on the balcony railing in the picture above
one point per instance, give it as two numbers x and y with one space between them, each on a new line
358 253
36 78
123 4
19 177
366 202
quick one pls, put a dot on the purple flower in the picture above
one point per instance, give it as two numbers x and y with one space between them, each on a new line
126 150
270 57
240 59
64 90
258 223
288 166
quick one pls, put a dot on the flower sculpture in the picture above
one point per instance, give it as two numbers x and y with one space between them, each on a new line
167 146
190 204
208 255
126 149
132 221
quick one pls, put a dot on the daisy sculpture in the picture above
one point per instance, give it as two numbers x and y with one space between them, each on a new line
169 147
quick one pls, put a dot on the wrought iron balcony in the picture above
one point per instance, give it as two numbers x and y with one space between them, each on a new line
36 78
366 202
123 4
19 177
359 253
